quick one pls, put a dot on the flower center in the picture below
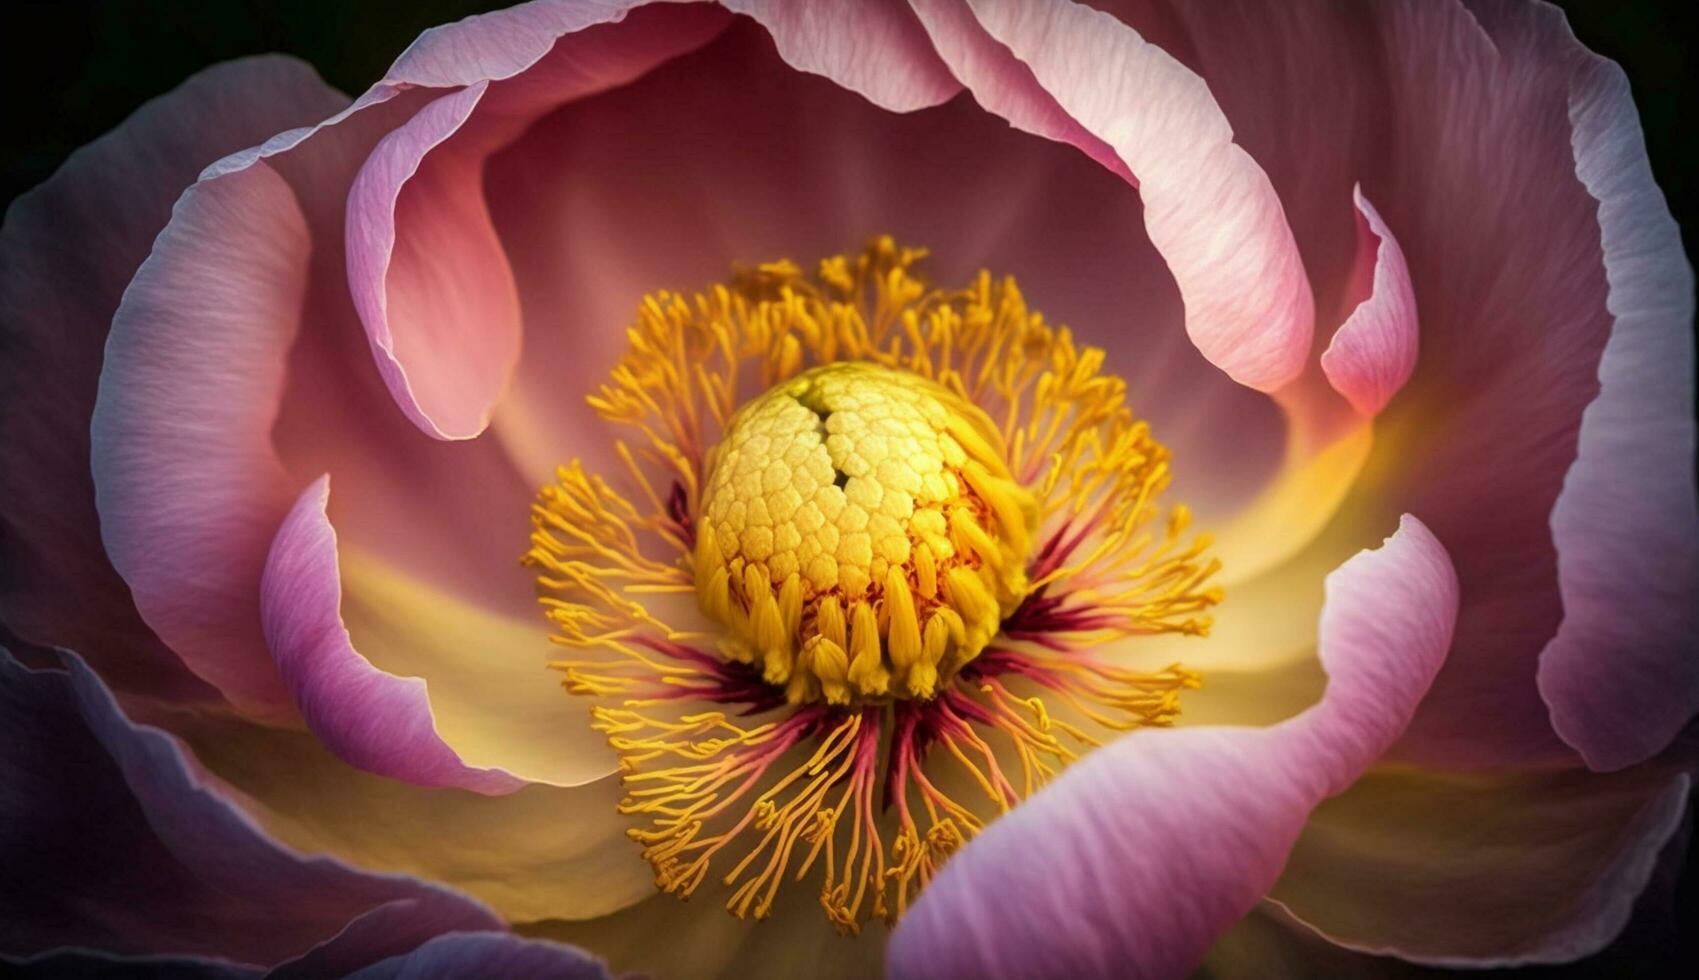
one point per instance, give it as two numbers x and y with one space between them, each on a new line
841 625
861 535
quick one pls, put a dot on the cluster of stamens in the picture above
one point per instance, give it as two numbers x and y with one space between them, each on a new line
814 613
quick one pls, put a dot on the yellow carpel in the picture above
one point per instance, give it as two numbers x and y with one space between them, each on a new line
855 490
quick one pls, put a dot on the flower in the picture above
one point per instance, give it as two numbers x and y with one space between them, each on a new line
1337 553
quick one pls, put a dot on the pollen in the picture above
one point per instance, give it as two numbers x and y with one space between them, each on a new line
861 536
838 622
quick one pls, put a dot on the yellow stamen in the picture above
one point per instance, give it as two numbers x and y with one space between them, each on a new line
920 530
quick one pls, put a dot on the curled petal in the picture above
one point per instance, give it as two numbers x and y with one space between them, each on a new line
68 249
481 48
498 44
438 302
1373 352
1209 209
185 476
874 48
491 697
425 268
1136 858
369 718
998 80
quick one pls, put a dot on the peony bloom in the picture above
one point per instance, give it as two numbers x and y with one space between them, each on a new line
1007 489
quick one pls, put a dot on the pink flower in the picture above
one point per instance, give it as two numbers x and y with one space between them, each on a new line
1392 286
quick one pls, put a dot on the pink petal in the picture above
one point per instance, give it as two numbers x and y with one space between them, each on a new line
1005 85
358 951
185 476
437 300
424 265
1209 209
1136 858
70 246
1527 867
1621 676
480 48
1290 81
873 48
115 842
1329 410
1373 353
504 43
370 719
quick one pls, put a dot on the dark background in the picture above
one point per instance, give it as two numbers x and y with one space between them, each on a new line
71 70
